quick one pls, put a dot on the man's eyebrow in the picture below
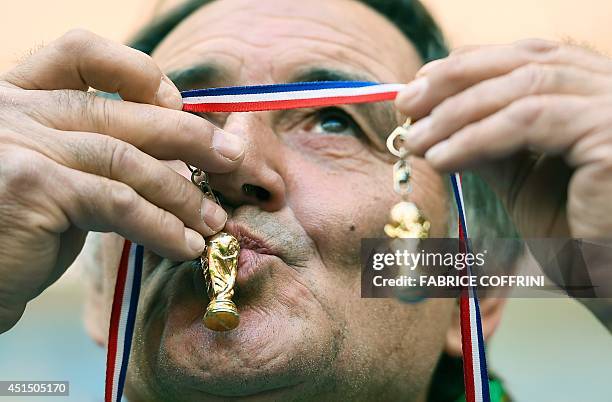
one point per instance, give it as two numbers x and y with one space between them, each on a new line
197 76
327 74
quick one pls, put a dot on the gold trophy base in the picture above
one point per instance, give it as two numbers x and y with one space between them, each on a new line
221 315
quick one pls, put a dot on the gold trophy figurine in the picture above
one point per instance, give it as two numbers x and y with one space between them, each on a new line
220 267
407 221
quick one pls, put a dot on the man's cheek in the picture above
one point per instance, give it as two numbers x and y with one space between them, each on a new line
305 289
340 216
430 194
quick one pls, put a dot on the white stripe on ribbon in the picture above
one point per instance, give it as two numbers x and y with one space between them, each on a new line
462 206
475 346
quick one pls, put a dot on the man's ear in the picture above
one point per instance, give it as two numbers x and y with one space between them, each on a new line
490 312
99 261
93 318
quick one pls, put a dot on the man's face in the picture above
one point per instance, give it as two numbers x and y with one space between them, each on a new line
323 182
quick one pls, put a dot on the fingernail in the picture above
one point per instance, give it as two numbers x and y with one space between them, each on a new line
412 91
428 67
214 216
438 152
168 95
195 241
229 145
418 131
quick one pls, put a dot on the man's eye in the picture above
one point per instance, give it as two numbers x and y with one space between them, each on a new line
335 122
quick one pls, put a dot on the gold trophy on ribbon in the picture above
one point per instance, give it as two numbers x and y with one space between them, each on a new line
407 221
220 266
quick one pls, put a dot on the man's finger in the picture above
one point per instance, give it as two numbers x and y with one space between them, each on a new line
456 73
81 59
543 123
163 133
426 68
95 203
153 180
490 96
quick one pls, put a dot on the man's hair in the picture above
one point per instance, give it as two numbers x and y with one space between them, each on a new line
486 215
409 16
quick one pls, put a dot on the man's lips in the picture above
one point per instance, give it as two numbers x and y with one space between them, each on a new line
255 253
250 263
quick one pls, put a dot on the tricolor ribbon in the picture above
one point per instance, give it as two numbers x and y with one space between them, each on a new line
287 96
123 317
278 97
475 374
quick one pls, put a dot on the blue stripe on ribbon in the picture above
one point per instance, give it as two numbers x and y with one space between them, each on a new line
291 87
131 318
459 203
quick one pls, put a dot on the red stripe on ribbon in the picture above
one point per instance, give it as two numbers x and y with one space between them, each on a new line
466 329
466 346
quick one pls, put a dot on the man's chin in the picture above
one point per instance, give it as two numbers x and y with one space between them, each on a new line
284 340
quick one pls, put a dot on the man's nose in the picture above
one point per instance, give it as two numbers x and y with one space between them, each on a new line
259 180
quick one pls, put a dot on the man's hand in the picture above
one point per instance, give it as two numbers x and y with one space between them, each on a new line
71 162
533 118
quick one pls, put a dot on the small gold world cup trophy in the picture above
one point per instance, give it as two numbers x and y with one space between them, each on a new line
407 221
220 267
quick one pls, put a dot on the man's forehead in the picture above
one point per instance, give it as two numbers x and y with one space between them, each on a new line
269 40
350 20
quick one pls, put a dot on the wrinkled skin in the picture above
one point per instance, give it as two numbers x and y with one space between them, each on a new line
533 119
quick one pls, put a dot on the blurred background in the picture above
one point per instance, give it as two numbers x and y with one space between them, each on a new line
27 24
545 349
